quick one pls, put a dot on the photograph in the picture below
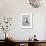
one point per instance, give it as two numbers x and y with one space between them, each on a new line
26 20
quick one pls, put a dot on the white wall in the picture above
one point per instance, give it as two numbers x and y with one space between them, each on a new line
13 8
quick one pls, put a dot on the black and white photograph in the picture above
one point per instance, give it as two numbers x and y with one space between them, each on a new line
26 20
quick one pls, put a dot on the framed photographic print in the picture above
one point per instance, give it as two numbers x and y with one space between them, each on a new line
26 20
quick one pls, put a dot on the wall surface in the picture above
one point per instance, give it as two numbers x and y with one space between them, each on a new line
13 8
